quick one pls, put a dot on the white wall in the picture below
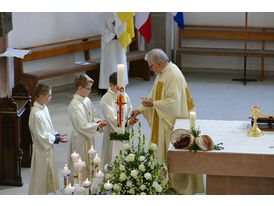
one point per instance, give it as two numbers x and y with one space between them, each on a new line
259 19
32 28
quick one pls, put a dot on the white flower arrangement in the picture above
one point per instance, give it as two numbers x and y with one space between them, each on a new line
136 170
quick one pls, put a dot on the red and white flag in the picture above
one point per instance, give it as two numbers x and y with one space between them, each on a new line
143 24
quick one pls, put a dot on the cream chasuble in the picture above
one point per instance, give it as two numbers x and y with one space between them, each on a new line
109 108
172 100
84 118
44 174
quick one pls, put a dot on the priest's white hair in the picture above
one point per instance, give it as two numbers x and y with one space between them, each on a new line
157 56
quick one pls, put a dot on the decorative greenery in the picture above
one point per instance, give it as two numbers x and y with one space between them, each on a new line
136 170
121 137
218 146
196 132
194 147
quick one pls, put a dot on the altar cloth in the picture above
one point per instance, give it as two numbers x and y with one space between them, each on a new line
244 166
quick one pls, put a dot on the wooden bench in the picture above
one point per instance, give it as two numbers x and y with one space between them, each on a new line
227 33
54 49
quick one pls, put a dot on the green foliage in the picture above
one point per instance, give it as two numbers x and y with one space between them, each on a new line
196 132
194 148
218 146
136 169
121 137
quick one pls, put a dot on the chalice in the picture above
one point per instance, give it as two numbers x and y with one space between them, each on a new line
255 131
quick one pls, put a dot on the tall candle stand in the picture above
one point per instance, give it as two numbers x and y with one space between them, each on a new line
80 164
87 184
65 173
100 178
74 157
92 154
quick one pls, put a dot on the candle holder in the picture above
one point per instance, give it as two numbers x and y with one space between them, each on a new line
255 131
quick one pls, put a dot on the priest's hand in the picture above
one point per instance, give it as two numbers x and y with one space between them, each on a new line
63 138
133 120
147 102
103 123
135 113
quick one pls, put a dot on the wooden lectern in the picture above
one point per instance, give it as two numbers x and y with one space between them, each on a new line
15 138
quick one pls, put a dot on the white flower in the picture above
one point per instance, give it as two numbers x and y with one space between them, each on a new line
130 157
147 175
134 173
108 176
142 167
131 191
142 193
122 177
106 168
157 186
122 167
152 166
116 187
143 187
129 183
126 146
153 147
142 158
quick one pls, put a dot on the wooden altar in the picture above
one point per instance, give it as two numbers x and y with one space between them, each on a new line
15 138
244 166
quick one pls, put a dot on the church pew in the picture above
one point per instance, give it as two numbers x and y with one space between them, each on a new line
244 34
55 49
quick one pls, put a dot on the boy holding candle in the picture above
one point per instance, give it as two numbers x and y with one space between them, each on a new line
85 120
44 174
109 108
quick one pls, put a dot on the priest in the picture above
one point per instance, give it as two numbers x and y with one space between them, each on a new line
169 100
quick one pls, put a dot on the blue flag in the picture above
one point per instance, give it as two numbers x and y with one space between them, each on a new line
179 18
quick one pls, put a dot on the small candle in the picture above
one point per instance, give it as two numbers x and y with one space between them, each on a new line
92 152
65 171
74 156
69 190
121 75
108 186
192 119
100 175
96 159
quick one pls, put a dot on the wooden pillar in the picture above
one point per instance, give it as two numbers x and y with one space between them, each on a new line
4 68
5 27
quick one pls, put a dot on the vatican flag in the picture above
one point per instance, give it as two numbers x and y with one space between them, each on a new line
124 28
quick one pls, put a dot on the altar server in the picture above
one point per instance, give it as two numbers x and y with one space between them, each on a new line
109 108
112 53
85 121
169 100
44 174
